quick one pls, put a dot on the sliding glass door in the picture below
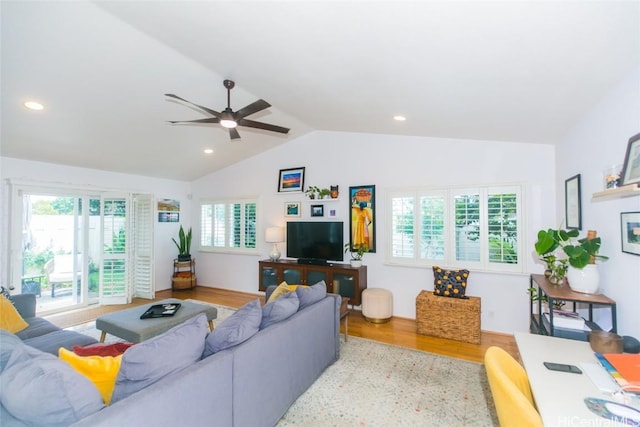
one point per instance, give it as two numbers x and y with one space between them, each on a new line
75 248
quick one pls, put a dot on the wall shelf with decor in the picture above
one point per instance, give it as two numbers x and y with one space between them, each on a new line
617 193
328 199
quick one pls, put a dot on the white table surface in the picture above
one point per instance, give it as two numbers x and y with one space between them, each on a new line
559 396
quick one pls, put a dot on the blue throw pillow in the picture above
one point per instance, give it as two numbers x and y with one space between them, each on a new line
149 361
235 329
279 309
39 389
312 294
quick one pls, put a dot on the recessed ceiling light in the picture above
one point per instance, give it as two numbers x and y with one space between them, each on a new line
33 105
208 151
399 118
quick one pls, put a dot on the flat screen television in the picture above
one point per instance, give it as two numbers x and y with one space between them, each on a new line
315 241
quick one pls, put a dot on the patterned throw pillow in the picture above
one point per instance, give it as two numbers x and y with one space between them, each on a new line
450 283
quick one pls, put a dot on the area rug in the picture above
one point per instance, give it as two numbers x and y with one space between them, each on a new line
375 384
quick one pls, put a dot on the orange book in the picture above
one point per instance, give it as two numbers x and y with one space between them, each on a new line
627 365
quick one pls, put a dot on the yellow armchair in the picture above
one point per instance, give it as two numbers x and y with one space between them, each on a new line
510 388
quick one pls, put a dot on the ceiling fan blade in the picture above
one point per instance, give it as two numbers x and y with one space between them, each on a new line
208 110
264 126
233 133
209 120
252 108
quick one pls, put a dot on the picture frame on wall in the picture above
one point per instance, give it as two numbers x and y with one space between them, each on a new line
292 209
317 210
631 168
291 180
362 207
630 230
572 203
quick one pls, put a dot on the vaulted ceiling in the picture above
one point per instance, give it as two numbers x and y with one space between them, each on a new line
521 71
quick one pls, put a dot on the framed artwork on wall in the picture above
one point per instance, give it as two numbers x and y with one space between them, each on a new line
631 168
317 210
292 209
572 203
362 201
630 229
291 180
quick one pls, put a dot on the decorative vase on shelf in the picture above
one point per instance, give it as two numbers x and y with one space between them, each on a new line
585 280
334 191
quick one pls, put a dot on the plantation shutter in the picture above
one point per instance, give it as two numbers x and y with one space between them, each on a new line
402 227
142 234
115 281
432 227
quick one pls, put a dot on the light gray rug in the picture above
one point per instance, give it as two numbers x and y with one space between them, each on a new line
376 384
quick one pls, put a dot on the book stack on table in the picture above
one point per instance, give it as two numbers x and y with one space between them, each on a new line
568 324
624 368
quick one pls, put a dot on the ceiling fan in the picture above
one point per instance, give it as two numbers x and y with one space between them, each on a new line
230 119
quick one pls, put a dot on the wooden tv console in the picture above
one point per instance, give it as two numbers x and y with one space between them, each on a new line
340 278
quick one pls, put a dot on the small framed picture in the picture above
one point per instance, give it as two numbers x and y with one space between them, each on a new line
317 210
630 229
291 180
631 168
572 203
332 212
292 209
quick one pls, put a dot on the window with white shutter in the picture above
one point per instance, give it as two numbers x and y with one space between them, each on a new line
228 225
477 228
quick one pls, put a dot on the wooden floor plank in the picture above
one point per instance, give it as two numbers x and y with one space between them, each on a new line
398 331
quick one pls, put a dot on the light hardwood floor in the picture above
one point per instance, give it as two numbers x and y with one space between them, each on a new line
399 331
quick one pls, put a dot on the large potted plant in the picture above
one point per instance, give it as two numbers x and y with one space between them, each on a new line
581 255
184 246
357 251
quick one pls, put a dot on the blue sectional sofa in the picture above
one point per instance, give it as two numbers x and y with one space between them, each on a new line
249 384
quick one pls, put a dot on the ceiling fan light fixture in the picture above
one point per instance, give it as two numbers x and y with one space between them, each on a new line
33 105
227 120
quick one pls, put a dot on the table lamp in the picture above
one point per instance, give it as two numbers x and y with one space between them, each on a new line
274 235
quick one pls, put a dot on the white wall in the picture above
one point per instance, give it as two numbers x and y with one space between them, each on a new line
350 159
45 173
600 140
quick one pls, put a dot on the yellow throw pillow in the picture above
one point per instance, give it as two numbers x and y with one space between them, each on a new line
10 319
283 288
100 370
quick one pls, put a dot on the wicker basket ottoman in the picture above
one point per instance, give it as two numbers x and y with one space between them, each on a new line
452 318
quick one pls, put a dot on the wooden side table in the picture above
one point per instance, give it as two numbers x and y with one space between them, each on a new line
344 314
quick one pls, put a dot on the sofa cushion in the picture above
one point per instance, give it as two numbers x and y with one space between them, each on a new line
100 370
39 389
235 329
37 327
280 309
149 361
12 349
51 342
311 294
100 349
10 319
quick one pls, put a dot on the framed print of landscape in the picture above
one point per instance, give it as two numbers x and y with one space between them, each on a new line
291 180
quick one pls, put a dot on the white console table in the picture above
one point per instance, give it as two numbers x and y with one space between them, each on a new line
559 396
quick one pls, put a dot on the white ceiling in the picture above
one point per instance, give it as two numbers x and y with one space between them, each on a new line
503 70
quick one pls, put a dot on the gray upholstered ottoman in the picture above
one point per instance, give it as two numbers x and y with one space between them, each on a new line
126 324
